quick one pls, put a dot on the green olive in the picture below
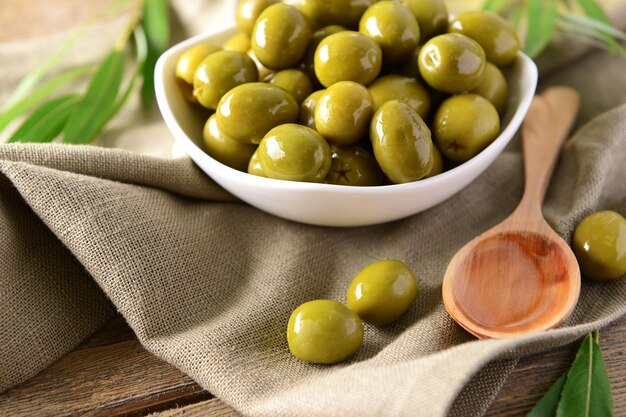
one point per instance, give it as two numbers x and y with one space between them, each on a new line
333 12
248 12
452 63
397 87
353 165
238 43
308 63
464 125
254 166
600 245
347 56
280 36
343 112
265 73
190 59
307 109
294 82
437 167
494 88
402 143
324 331
394 27
294 153
247 112
382 291
228 151
432 16
496 35
411 67
219 73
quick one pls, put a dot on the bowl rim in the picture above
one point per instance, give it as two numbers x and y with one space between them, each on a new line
190 147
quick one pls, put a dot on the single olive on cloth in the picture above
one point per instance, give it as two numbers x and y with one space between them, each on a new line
343 112
294 153
496 35
464 125
280 36
247 112
402 142
324 332
382 291
394 27
599 244
347 56
452 63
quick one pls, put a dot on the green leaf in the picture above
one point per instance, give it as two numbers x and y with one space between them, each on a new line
541 24
45 123
594 24
587 391
22 106
494 6
95 107
157 28
593 9
546 407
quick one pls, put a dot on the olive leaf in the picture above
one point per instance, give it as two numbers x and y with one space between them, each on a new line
47 122
157 29
35 96
494 6
541 24
546 407
95 107
587 390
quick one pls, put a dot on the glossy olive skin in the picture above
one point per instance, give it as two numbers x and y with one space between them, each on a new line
599 244
431 15
496 35
307 109
452 63
308 63
402 142
324 332
382 291
293 152
220 72
347 56
265 73
295 82
254 166
248 12
228 151
353 165
494 88
343 113
280 36
397 87
437 167
247 112
393 26
190 59
464 125
333 12
238 43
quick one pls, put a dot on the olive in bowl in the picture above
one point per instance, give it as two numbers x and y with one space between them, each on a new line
321 203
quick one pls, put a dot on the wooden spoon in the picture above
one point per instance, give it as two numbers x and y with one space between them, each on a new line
520 276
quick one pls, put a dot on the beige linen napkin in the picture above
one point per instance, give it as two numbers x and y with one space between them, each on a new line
208 283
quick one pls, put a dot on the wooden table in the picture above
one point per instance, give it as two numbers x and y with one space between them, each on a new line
111 374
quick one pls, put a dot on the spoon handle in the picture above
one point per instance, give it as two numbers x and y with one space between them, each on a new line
544 130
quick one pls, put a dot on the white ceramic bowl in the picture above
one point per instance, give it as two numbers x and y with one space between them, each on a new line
326 204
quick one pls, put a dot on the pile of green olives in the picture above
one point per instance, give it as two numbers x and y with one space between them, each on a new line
347 92
327 331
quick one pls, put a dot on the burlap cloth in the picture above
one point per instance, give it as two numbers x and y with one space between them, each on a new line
208 283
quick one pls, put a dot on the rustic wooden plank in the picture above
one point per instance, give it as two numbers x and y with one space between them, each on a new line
208 408
110 374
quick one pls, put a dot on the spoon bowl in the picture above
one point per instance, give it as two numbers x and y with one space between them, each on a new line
520 276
